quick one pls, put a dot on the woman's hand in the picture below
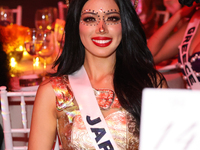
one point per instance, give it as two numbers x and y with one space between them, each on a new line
187 12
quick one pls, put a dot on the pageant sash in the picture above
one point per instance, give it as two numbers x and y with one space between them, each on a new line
90 111
190 75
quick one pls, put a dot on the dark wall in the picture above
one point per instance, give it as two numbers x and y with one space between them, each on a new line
29 8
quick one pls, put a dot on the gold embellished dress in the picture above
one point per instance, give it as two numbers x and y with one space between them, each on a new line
71 128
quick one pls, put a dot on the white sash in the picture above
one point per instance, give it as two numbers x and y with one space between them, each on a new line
190 75
90 111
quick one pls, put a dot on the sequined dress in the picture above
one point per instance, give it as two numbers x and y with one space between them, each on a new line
70 126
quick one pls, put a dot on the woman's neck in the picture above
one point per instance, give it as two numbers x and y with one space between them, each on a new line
100 71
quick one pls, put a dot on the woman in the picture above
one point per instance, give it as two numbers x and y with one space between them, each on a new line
148 17
112 48
164 46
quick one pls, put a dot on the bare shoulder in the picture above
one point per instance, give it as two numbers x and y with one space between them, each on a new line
43 124
46 87
45 94
45 84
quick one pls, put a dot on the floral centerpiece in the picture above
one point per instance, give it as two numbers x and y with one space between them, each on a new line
12 37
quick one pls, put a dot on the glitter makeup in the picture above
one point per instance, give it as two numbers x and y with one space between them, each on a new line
92 18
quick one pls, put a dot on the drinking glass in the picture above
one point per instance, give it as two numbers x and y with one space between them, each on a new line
52 14
6 16
47 49
33 43
43 20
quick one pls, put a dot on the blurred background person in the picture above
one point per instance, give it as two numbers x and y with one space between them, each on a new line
146 11
172 6
165 45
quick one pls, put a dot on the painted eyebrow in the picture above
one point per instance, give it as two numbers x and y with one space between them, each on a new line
108 13
89 13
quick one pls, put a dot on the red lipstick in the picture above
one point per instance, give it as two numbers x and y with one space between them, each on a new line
102 41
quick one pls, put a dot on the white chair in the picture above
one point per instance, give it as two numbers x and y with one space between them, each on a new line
18 12
165 15
7 128
61 9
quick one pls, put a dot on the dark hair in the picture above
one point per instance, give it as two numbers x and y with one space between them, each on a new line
134 69
188 2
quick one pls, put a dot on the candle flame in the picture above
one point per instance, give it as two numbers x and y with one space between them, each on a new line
13 62
37 61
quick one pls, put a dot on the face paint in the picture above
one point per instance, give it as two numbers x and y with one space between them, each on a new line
92 18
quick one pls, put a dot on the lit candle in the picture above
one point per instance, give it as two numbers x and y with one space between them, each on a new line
37 62
13 62
20 48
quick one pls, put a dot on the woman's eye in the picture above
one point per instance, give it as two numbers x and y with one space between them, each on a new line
89 19
113 19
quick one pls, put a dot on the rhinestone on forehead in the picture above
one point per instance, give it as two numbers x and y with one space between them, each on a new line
101 10
112 10
89 10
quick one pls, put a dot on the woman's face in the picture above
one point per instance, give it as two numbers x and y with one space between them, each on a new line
100 27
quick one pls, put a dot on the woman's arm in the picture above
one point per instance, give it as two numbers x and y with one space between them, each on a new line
170 46
43 124
163 46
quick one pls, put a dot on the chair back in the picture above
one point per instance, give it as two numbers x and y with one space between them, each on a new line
18 12
164 14
62 10
7 128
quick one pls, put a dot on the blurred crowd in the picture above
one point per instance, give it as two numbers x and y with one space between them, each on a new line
178 38
148 13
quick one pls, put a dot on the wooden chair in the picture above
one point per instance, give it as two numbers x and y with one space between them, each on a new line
62 10
18 12
7 128
164 14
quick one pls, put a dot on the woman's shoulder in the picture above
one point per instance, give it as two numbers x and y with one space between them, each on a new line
53 85
58 81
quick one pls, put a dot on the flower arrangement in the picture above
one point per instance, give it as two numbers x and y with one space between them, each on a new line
12 36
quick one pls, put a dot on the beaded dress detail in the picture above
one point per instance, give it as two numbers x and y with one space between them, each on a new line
71 128
190 64
194 60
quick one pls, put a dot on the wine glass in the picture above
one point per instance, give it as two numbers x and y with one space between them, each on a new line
6 16
47 49
59 33
52 14
43 19
33 43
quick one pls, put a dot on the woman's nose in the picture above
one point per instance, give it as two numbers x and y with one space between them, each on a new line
102 27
